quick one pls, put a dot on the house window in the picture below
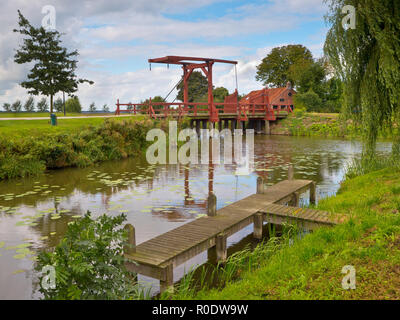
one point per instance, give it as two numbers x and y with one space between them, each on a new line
289 94
282 100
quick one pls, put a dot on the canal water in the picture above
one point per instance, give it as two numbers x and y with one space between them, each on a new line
34 212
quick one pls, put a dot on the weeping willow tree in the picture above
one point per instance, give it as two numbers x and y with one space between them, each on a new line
367 59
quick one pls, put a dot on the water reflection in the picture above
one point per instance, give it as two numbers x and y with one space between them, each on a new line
156 199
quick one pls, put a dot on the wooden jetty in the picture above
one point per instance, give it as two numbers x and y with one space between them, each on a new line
277 204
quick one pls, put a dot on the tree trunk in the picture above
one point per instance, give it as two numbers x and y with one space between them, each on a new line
51 103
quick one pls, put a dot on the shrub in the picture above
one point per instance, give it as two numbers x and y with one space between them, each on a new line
89 262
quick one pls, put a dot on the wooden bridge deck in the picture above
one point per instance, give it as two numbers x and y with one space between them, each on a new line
157 257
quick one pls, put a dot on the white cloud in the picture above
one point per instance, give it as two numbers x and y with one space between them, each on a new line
108 33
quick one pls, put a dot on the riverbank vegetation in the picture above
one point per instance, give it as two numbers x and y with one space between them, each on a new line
308 266
27 152
302 123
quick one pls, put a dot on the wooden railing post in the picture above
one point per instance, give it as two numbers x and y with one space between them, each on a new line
130 248
212 205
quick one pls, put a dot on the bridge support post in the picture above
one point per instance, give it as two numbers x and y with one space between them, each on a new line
168 279
221 246
226 124
258 225
233 125
198 127
267 128
212 205
258 129
313 193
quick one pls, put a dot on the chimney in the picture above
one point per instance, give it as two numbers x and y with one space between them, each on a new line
288 85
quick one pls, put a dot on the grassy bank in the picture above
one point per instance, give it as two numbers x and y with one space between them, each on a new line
310 267
320 124
47 114
41 126
29 150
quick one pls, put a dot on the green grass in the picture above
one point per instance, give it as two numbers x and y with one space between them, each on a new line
310 267
45 114
36 127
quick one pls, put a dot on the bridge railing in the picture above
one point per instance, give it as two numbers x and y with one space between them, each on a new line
165 109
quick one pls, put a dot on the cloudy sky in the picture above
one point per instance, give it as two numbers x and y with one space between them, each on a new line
115 39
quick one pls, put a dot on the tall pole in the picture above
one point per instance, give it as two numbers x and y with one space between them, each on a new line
64 102
185 88
211 106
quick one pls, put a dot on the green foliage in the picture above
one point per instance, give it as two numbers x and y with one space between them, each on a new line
89 262
220 93
367 60
92 107
111 140
106 108
16 106
73 105
59 105
7 107
308 100
43 48
309 265
42 105
29 105
275 67
197 87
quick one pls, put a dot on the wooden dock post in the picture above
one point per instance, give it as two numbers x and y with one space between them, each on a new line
130 248
221 246
212 205
260 185
290 172
296 199
313 193
167 283
258 225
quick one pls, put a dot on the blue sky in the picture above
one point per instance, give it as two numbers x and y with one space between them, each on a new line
115 39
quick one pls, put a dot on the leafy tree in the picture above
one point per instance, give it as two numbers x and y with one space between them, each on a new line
29 105
73 105
7 107
275 67
54 68
309 75
89 262
106 108
367 60
59 105
92 107
42 105
220 93
16 106
197 87
310 101
156 107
